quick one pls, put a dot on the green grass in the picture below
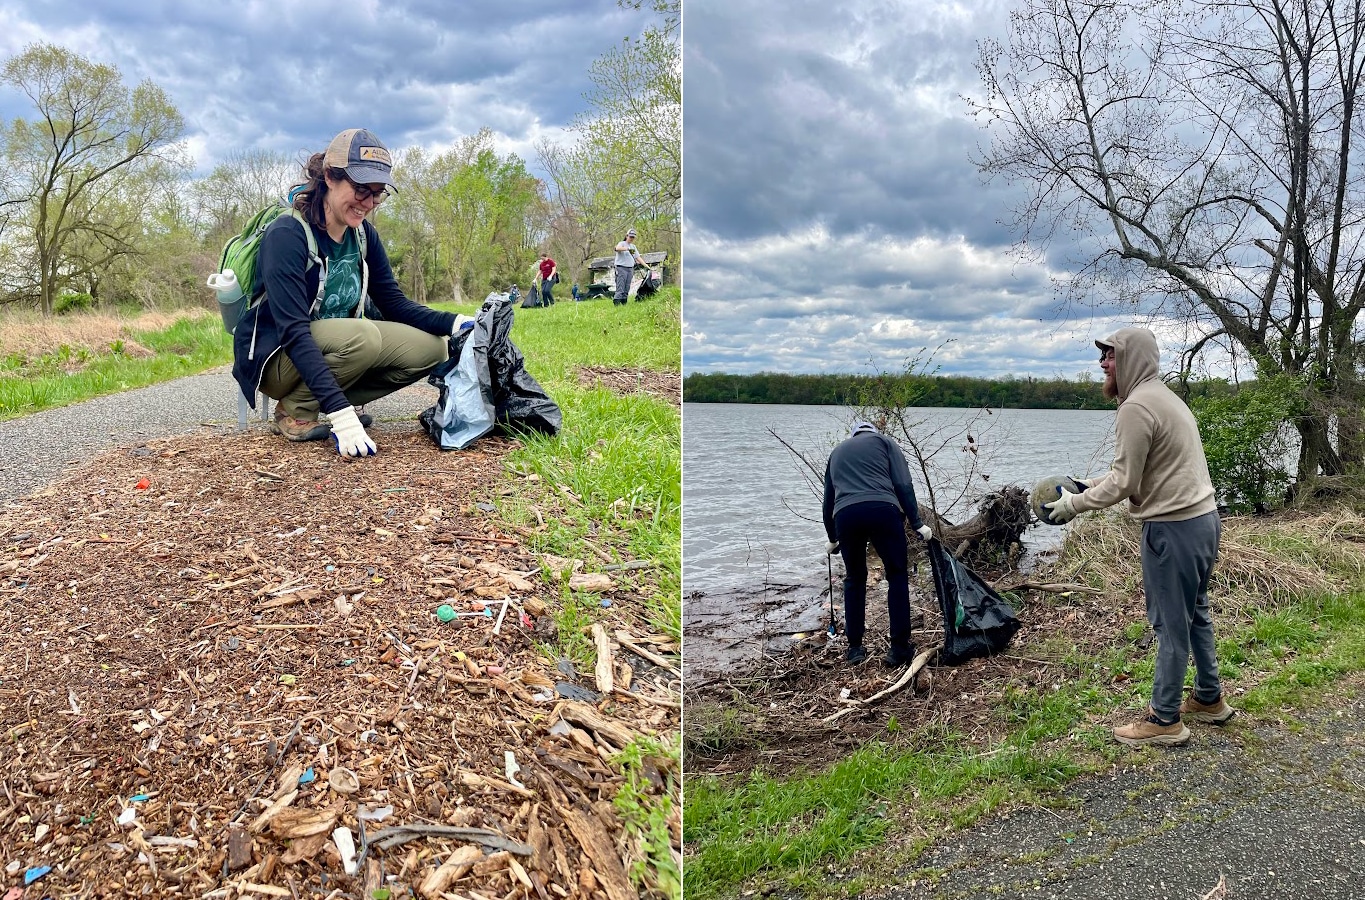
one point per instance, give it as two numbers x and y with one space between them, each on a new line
619 455
745 830
70 375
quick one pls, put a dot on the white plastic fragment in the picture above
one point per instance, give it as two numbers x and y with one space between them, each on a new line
511 768
346 845
128 816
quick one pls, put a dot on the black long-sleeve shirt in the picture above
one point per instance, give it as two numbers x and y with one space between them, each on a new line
282 323
868 467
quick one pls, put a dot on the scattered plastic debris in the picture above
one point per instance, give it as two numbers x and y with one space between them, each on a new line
308 777
35 873
573 692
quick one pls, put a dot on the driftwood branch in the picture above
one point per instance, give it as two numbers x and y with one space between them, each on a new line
1052 588
396 835
919 663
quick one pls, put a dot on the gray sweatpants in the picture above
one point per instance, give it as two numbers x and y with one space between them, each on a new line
1177 559
623 276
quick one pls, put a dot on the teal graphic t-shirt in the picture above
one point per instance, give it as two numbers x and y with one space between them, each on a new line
343 280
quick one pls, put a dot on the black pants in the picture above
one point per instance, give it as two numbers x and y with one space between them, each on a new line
882 525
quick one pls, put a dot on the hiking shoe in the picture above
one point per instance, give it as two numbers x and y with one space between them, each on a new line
899 656
299 429
1150 730
1215 713
855 655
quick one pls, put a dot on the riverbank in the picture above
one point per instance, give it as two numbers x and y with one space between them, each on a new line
779 800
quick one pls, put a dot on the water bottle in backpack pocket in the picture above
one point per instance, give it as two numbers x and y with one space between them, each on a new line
231 300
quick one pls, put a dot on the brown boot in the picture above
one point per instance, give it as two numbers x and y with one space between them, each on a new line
1150 730
1215 713
299 429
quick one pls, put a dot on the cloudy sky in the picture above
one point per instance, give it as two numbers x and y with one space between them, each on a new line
286 75
833 218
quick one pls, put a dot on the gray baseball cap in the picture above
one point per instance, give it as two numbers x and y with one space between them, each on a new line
362 156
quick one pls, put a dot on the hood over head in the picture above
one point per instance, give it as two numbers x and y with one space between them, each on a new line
1137 358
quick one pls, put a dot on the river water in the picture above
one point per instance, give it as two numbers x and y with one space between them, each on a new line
752 535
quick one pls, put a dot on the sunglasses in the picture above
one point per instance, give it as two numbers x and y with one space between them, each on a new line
364 192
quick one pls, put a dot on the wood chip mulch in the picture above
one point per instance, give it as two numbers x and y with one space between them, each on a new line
222 675
663 385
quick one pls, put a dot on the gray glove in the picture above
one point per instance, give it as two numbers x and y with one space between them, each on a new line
831 548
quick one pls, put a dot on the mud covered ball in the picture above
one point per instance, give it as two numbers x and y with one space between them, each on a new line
1048 490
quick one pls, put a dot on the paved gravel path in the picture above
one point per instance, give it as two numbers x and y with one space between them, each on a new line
1278 812
40 447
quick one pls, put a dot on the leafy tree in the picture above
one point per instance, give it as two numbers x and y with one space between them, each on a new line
74 167
238 187
624 167
1247 442
471 207
1202 157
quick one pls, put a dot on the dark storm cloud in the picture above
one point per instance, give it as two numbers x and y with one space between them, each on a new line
287 75
835 220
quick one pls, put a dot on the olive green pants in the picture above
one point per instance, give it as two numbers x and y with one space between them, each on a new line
369 359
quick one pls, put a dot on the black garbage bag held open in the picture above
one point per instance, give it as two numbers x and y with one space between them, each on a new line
519 399
464 410
976 620
485 383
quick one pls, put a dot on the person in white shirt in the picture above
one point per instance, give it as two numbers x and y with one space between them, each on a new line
627 257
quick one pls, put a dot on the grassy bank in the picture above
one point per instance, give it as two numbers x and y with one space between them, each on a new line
1289 601
57 362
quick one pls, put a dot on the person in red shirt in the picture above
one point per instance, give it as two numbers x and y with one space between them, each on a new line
548 276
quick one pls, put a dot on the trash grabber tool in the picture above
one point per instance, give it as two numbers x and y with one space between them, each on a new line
830 567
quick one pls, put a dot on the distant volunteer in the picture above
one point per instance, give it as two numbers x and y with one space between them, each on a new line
308 344
1159 468
868 496
549 274
627 257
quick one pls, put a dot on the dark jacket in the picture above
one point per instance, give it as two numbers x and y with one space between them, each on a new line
281 321
868 467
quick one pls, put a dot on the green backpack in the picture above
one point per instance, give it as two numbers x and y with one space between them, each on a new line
241 252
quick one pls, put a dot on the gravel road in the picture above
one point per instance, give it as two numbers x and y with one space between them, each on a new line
1276 811
40 447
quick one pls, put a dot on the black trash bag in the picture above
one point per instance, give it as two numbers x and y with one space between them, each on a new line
976 620
649 283
519 399
532 300
464 410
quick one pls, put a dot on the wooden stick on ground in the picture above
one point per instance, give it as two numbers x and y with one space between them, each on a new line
605 661
625 640
919 663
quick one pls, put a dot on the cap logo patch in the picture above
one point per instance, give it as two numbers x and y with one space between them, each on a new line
375 154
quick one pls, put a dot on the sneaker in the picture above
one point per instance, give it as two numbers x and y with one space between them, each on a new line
855 655
899 656
1215 713
299 429
1150 730
366 420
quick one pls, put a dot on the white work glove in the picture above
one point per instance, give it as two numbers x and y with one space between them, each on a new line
831 548
925 532
461 321
1063 509
349 434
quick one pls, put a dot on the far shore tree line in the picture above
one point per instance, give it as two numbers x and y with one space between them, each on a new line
1246 427
99 207
939 391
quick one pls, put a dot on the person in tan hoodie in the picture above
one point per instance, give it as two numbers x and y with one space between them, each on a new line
1159 468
